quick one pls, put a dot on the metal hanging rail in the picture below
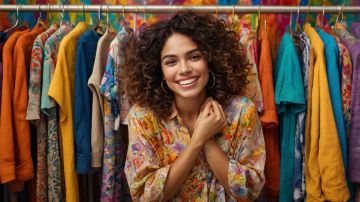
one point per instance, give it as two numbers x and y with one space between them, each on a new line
175 8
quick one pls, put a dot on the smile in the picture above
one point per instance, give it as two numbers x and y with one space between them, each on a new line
187 81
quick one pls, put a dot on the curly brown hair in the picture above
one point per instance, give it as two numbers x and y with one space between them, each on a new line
141 74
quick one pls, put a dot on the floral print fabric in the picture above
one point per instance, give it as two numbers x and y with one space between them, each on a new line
155 144
33 111
48 107
252 89
113 180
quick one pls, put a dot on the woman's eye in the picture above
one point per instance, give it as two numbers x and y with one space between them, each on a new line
195 57
170 62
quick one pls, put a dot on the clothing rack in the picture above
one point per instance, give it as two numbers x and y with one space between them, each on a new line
256 9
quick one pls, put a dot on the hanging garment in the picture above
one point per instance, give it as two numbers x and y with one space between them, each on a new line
269 121
85 57
97 119
299 172
48 107
113 180
148 159
333 69
325 180
33 111
355 29
345 68
331 58
22 57
3 38
353 46
290 100
252 89
62 91
308 107
7 150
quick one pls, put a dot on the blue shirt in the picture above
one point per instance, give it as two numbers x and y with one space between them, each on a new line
85 57
289 100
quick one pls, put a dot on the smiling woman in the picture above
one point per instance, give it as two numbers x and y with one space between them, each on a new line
184 77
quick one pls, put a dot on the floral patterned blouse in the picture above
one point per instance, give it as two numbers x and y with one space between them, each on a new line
155 144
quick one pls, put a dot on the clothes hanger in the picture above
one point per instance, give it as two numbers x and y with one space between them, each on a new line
40 20
63 20
258 20
99 26
109 27
17 20
289 29
297 24
340 13
217 11
321 20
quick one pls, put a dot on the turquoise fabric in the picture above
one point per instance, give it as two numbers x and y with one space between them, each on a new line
290 100
332 68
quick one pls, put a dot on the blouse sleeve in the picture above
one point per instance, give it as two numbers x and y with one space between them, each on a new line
246 167
144 171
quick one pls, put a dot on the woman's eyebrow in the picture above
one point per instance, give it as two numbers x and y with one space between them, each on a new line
187 53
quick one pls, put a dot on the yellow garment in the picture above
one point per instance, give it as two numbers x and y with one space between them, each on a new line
325 174
62 91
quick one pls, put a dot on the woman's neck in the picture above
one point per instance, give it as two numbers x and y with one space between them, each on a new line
189 108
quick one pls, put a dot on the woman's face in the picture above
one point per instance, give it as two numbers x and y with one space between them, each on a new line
184 67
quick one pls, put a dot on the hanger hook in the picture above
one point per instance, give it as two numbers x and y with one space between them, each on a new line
83 10
144 12
337 18
123 11
99 12
107 15
298 13
322 17
217 11
233 12
39 18
17 11
342 12
259 16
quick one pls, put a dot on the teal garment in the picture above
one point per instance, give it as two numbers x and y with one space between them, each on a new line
332 69
289 100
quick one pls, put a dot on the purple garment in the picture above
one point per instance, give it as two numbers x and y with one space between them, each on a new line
353 45
355 29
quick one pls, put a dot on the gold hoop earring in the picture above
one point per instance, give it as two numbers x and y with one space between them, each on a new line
162 86
214 79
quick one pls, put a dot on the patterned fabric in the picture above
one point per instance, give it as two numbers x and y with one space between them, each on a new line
33 111
299 174
353 46
252 89
345 67
346 80
48 107
112 181
155 144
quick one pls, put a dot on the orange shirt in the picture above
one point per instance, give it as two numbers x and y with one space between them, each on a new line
7 158
269 120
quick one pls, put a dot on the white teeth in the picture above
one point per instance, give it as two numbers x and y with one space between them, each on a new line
187 82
